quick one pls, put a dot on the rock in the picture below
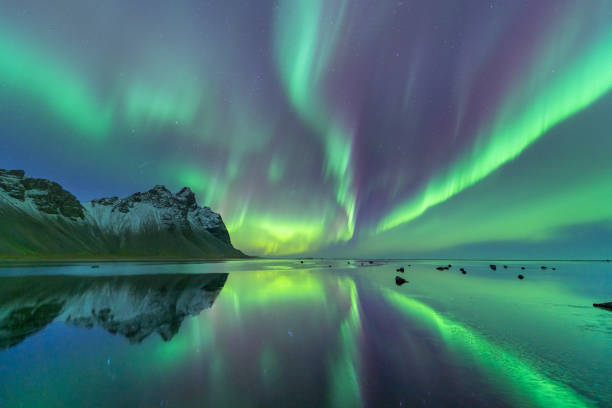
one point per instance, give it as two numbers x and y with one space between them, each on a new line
95 266
400 269
493 267
554 269
463 271
522 267
607 305
348 262
399 281
441 268
543 267
450 266
330 266
371 262
301 261
521 277
505 266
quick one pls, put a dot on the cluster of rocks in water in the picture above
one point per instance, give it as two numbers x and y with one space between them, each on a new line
399 281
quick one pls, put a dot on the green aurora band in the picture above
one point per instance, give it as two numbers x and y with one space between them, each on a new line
518 124
26 71
305 42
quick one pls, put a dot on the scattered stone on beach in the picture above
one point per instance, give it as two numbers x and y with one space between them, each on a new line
371 262
330 266
554 269
505 266
399 281
522 267
493 267
442 268
301 261
463 271
400 269
95 266
521 277
348 262
450 266
543 267
607 305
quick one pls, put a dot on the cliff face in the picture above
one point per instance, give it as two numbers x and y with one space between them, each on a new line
39 217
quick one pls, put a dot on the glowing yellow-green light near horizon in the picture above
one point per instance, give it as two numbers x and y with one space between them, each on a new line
279 236
521 120
501 364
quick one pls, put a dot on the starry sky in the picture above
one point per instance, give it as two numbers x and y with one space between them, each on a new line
328 127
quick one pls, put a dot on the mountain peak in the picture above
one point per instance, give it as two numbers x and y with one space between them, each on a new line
186 195
44 218
44 195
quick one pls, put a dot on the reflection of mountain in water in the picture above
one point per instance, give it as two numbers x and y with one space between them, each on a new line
133 306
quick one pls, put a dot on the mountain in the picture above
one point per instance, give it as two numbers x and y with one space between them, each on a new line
38 218
131 306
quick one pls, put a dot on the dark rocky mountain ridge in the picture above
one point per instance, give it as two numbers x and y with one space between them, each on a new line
39 218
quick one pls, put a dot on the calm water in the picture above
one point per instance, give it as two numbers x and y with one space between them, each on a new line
280 333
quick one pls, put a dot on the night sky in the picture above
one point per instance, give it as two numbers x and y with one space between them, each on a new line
328 127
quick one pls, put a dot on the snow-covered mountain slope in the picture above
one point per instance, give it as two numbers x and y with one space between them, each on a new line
38 217
132 306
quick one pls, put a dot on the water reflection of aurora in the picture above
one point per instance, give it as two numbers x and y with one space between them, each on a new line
249 335
239 331
502 366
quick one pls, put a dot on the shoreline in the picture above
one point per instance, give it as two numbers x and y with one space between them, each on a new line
7 262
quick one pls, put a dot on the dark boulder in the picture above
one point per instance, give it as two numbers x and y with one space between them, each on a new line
493 267
522 267
543 267
400 269
399 281
521 277
607 305
463 271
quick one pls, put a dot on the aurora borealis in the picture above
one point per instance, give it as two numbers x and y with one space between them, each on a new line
334 128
